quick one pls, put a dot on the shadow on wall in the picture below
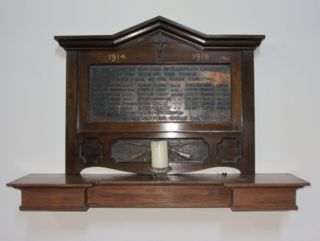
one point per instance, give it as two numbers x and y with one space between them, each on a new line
60 52
130 224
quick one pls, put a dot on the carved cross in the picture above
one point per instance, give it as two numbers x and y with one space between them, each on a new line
160 42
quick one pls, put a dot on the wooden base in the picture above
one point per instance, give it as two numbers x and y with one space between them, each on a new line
54 199
60 192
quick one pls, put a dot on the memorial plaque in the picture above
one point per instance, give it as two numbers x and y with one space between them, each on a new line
160 93
160 81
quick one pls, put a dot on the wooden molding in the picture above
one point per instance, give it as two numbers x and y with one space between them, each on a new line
60 192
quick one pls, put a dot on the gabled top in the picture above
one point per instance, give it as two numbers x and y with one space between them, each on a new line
160 24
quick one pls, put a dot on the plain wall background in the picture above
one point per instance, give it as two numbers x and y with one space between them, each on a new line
32 123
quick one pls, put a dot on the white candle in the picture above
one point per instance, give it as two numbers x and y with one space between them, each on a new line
159 154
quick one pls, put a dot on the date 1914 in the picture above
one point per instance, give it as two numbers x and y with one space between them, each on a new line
116 57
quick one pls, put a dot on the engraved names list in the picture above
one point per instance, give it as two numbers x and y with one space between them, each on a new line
160 93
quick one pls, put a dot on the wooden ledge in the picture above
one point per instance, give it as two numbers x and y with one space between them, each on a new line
60 192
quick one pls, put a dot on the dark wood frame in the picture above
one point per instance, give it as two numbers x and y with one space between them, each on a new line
240 192
136 43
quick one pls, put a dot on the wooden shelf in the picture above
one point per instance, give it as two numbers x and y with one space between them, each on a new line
60 192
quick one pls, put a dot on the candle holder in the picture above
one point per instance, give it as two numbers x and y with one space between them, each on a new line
160 173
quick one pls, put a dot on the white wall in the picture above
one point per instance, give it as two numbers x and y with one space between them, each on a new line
32 104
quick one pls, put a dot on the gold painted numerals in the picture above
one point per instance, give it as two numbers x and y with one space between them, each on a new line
116 57
200 56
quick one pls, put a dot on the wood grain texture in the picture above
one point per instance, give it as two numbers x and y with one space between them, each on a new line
248 137
60 192
140 47
71 166
263 180
166 25
159 196
54 199
52 180
266 198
